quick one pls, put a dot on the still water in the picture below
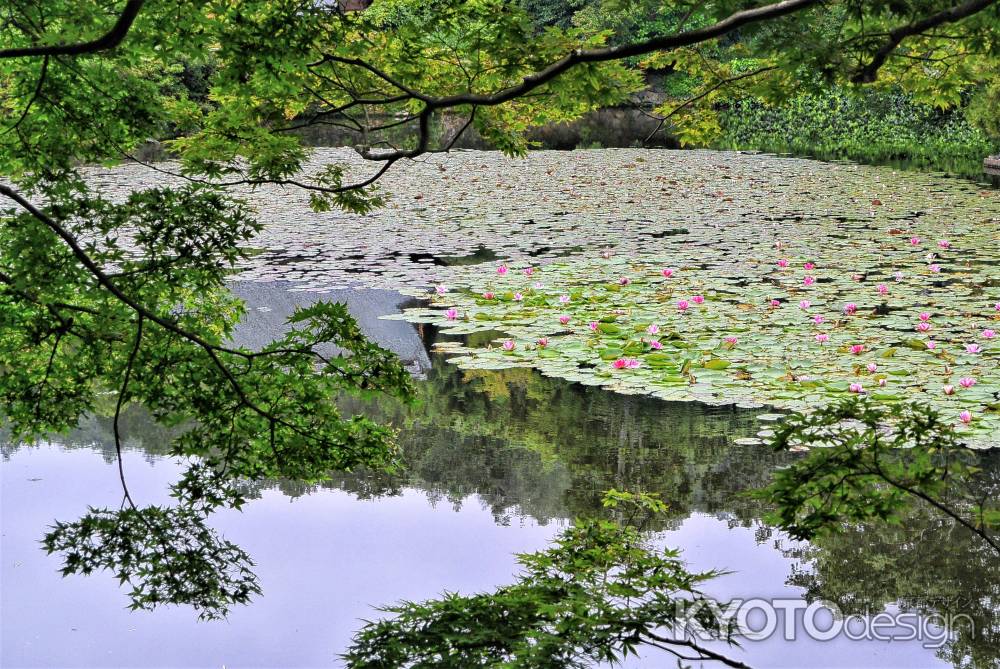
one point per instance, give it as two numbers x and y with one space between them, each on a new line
497 463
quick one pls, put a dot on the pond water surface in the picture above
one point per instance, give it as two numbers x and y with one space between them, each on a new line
498 461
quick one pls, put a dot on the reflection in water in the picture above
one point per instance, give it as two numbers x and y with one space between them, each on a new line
533 449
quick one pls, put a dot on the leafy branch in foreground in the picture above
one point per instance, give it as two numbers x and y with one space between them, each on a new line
600 592
868 462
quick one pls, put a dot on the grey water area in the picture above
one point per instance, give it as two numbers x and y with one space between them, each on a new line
497 464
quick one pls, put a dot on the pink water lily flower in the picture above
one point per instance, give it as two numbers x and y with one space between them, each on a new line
882 289
632 362
653 329
935 268
593 325
783 263
931 345
857 349
965 417
539 285
682 305
622 363
822 337
501 270
518 297
949 389
989 334
624 281
451 314
543 342
914 240
850 308
528 271
775 303
944 244
654 344
996 307
564 319
441 290
489 295
857 277
667 273
808 280
923 327
563 299
857 388
924 316
972 348
698 299
818 318
898 276
508 344
872 367
881 383
966 382
809 266
606 253
731 340
804 304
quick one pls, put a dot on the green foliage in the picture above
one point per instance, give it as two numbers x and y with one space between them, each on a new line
871 127
598 594
867 463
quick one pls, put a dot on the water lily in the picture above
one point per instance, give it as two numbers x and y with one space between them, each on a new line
966 382
539 285
818 319
948 389
632 362
654 344
508 344
451 314
935 268
931 345
857 277
502 270
972 348
564 319
850 308
898 276
996 307
528 271
965 416
923 327
872 367
809 266
989 334
775 303
924 316
606 253
441 290
881 383
624 281
857 349
808 280
518 297
682 305
804 304
882 289
783 263
653 329
731 340
698 299
914 240
564 299
822 337
944 244
667 273
489 295
543 342
622 363
857 388
593 325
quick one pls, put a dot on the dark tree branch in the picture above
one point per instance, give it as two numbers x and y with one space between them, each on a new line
108 40
869 72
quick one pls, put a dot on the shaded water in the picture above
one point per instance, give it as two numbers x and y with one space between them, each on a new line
497 463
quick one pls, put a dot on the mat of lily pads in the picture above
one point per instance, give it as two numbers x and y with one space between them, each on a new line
790 316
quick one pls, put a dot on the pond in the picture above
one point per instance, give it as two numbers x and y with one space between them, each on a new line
499 456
